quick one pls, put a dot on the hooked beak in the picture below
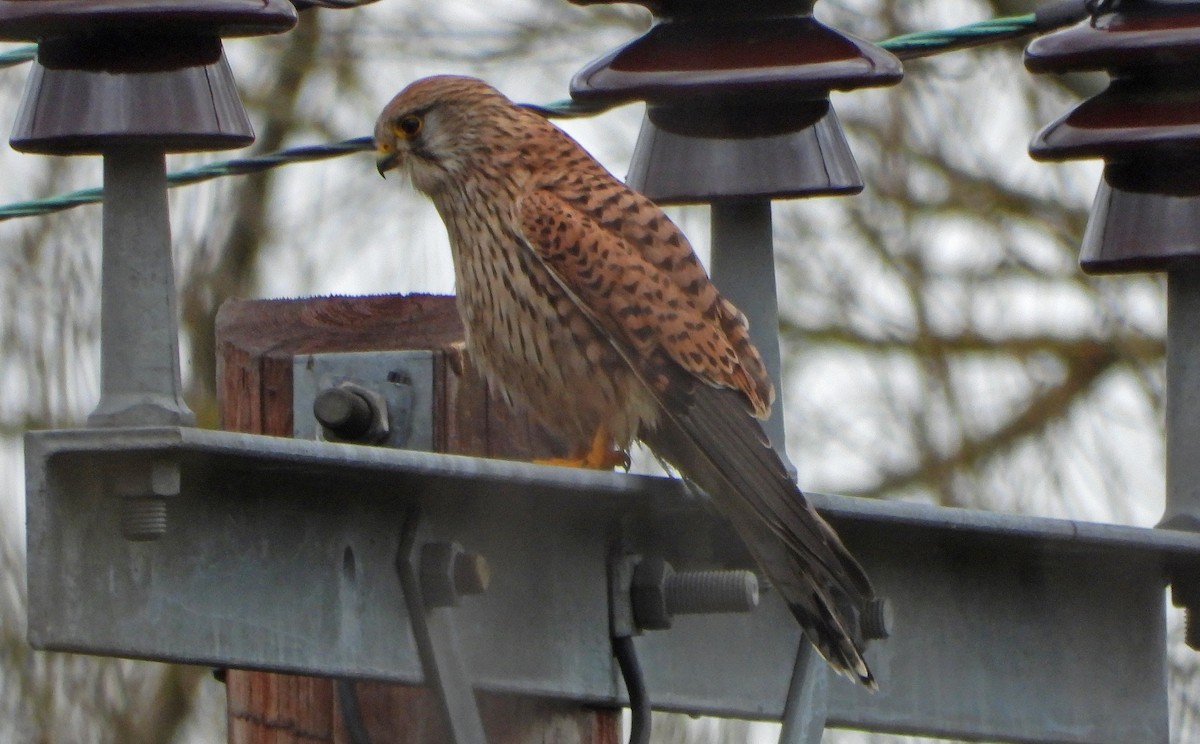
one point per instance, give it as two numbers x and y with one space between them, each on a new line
386 161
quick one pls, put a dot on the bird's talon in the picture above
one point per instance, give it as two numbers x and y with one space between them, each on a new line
607 459
456 353
601 456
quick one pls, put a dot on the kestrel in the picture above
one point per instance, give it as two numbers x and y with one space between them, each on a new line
585 304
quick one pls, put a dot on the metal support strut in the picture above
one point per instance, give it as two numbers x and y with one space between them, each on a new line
1182 509
139 334
1183 396
140 381
437 645
743 266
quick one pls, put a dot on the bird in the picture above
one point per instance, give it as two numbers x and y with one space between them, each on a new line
583 303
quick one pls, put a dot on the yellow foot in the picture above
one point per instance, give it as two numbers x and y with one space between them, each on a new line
602 455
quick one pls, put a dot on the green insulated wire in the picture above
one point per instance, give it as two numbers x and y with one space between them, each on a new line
18 56
260 163
927 43
51 204
908 46
235 167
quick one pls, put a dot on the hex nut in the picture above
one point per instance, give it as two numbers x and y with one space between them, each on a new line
472 574
448 573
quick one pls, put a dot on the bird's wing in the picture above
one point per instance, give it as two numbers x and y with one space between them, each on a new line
632 299
646 231
690 365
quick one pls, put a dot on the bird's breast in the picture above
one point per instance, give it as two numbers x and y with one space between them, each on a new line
531 339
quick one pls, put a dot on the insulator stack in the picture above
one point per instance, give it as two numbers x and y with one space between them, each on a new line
134 72
737 99
1145 125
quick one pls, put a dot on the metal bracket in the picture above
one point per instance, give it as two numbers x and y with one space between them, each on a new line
402 381
436 641
1018 628
394 390
806 707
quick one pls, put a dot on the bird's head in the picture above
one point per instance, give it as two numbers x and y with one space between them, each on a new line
434 127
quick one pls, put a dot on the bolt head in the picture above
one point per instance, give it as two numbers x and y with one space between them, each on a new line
352 413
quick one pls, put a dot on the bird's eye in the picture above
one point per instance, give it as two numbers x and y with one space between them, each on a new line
409 126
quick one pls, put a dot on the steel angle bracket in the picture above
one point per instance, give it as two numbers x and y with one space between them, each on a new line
281 554
437 644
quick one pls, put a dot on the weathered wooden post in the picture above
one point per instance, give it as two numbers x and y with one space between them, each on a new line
258 343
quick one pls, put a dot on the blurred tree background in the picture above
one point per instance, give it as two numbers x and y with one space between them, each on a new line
941 344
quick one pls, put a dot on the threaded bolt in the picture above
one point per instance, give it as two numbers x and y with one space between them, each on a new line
702 592
1185 593
143 517
658 593
143 489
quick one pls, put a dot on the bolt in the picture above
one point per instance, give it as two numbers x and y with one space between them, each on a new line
1185 593
352 413
698 592
471 573
143 517
875 623
344 413
659 593
1191 629
449 573
143 491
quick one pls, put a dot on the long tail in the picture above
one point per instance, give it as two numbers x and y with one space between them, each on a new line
707 434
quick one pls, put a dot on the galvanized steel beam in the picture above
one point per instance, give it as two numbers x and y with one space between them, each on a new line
281 554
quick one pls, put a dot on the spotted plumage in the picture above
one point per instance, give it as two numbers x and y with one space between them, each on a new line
584 303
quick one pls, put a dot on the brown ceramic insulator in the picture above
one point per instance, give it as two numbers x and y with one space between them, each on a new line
1134 229
738 99
134 73
1145 33
1134 115
1145 125
811 160
679 59
33 20
76 112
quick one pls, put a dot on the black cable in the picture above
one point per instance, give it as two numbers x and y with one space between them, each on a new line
639 701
